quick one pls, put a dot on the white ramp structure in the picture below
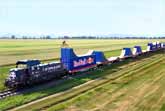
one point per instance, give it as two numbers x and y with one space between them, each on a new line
126 53
137 50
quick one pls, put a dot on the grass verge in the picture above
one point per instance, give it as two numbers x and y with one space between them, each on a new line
100 73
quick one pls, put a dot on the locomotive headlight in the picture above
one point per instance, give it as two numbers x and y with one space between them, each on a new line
12 75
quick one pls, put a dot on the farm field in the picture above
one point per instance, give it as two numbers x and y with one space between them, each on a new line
13 50
110 87
48 50
115 78
133 86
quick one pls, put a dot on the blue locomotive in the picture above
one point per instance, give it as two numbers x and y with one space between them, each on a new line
30 72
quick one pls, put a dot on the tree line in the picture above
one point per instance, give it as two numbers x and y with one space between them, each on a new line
77 37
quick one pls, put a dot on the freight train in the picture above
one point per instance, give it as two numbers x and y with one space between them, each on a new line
31 72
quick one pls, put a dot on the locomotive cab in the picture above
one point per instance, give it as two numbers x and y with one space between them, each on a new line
27 63
17 76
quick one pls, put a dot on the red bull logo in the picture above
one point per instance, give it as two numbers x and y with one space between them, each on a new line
82 62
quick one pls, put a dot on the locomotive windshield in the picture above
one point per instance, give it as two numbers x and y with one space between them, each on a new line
21 66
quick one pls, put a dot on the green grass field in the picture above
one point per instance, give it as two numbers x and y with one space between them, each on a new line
48 50
13 50
128 86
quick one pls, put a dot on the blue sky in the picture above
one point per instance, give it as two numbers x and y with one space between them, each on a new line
82 17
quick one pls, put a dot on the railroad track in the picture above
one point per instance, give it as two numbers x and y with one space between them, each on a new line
7 93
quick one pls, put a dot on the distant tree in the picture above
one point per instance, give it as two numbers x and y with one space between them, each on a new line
66 37
13 37
24 37
48 37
